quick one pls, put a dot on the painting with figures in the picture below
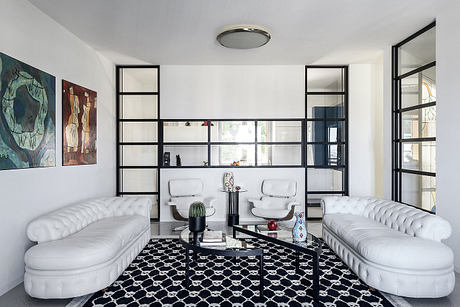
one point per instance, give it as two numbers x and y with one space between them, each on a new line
27 116
79 116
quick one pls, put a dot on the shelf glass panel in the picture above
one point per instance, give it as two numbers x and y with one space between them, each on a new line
419 190
190 155
419 123
138 80
186 131
417 52
325 154
233 131
325 80
279 155
223 155
419 156
138 132
320 179
138 180
139 155
325 106
419 88
325 131
279 131
138 106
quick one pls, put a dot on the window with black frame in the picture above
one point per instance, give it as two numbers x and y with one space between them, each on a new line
137 133
414 120
235 143
326 102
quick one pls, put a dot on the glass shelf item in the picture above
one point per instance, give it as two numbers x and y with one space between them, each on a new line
185 131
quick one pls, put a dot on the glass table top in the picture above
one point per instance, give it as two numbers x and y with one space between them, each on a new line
283 233
229 242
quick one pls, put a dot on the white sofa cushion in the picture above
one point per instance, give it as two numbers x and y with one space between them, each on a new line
97 243
385 246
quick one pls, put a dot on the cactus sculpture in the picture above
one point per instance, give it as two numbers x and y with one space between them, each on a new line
197 209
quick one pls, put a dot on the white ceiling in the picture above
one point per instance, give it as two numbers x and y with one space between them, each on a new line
184 31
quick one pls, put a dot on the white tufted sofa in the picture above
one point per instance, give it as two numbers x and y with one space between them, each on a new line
84 247
391 246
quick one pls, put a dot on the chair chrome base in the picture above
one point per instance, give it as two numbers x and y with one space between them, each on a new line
180 228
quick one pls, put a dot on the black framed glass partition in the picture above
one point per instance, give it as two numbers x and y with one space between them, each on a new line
233 142
326 118
414 120
138 150
317 141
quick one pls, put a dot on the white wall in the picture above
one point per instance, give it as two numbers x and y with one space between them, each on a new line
250 179
365 129
32 37
448 114
232 91
269 92
387 122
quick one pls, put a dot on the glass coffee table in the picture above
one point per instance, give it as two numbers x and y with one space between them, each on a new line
283 237
232 248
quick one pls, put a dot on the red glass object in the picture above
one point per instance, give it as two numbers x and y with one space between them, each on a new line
272 225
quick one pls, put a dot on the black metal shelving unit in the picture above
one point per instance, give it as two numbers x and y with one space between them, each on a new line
123 142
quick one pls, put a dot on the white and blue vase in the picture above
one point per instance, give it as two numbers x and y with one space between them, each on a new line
299 232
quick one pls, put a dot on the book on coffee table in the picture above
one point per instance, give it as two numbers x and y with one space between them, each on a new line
212 238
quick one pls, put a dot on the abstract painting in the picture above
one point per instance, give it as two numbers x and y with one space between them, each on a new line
79 130
27 116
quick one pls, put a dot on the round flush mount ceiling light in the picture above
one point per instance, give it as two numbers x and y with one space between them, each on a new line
243 37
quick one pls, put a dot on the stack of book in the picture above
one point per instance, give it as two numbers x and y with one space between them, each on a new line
212 238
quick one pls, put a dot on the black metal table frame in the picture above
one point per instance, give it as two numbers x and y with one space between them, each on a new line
314 254
257 252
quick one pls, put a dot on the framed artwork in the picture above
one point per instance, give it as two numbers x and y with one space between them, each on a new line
27 116
79 129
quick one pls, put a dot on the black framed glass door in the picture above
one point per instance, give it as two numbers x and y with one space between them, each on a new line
326 152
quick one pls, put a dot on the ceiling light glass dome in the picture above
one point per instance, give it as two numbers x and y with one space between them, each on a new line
243 37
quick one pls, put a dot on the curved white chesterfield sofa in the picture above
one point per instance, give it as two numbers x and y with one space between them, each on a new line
391 246
84 247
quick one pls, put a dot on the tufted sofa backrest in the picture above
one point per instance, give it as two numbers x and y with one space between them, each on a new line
71 219
404 218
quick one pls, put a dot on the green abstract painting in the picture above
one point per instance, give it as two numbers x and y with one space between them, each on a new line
27 116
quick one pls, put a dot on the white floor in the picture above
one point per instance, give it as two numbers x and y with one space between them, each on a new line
17 296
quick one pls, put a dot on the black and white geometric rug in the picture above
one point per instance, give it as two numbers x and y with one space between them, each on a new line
156 277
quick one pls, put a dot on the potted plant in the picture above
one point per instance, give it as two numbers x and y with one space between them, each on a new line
197 217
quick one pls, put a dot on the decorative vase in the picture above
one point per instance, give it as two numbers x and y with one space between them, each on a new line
299 232
228 181
272 225
197 223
